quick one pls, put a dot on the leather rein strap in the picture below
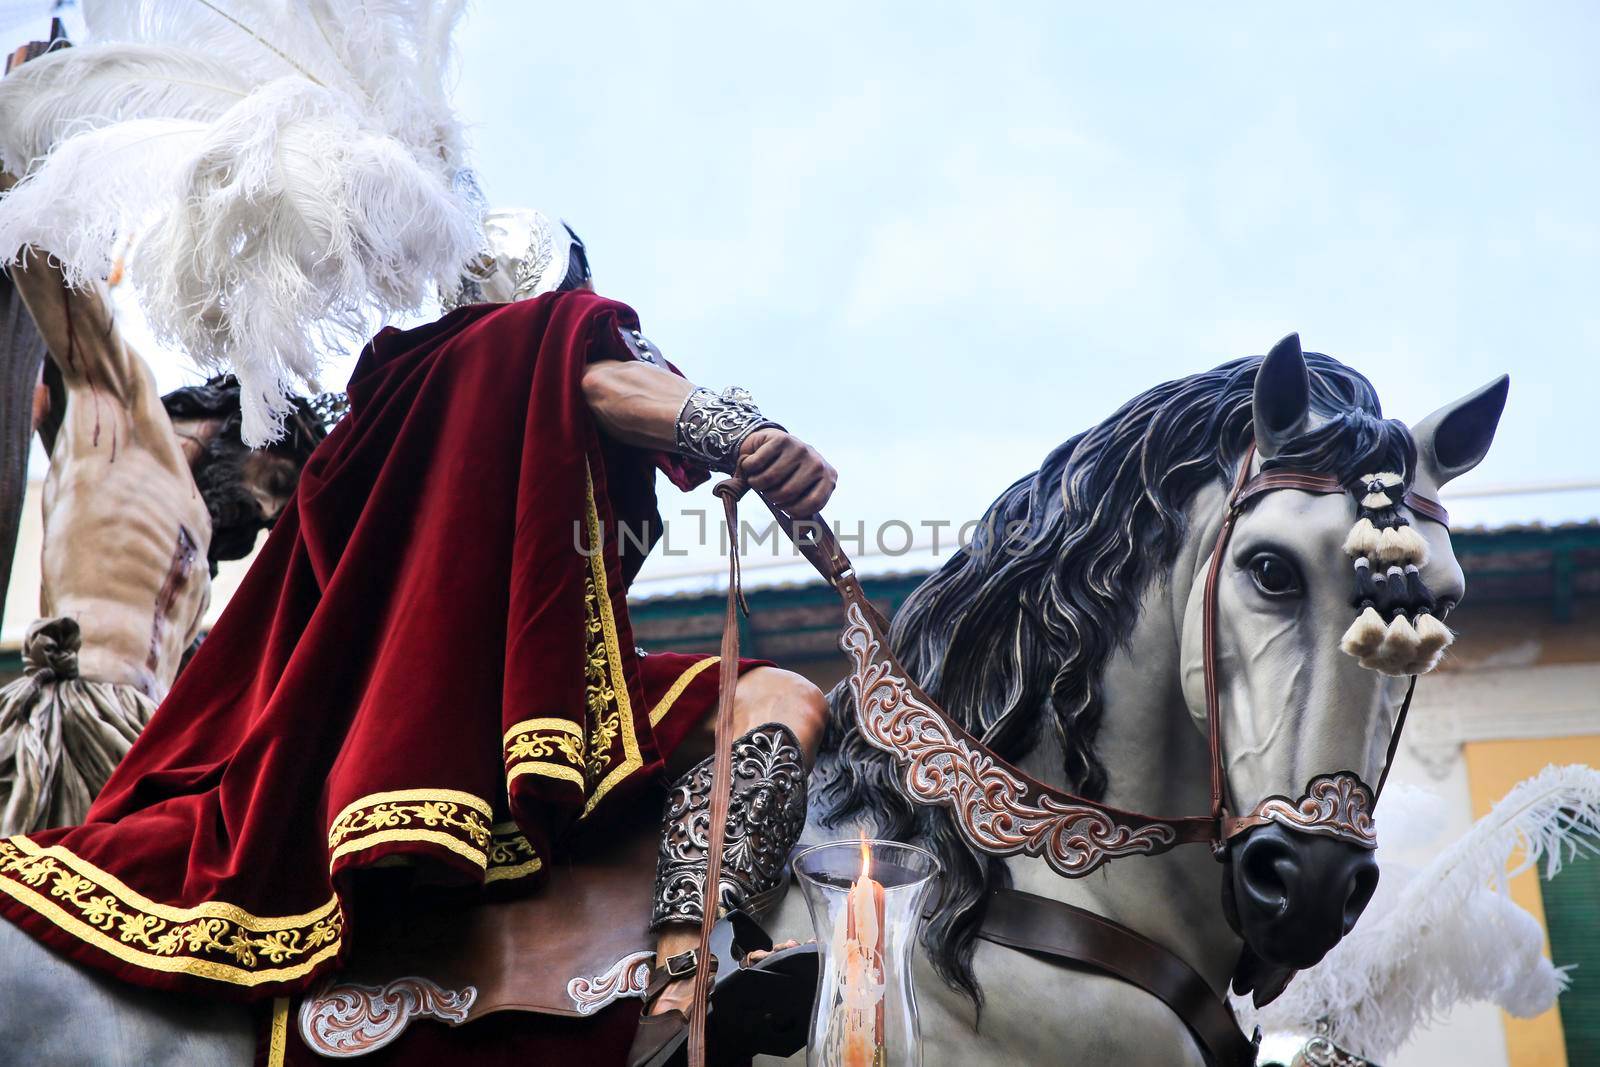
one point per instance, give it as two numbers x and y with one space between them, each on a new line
721 773
1060 933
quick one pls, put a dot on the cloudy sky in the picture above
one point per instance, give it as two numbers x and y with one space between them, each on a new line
983 227
938 239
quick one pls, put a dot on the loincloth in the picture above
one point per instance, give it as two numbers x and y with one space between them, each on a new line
60 735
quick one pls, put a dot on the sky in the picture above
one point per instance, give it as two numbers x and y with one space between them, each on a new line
937 239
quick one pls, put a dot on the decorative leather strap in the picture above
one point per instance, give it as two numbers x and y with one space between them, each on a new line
1060 933
999 808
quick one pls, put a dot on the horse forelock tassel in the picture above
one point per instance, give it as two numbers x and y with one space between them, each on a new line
1433 636
1364 635
1395 631
1362 539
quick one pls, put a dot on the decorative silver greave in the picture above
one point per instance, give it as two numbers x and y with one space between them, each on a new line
766 813
712 426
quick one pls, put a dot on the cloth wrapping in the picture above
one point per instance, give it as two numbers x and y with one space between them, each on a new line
429 663
61 736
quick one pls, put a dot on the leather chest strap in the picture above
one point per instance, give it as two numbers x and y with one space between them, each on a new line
1058 932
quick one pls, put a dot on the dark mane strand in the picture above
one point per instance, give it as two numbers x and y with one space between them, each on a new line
1011 635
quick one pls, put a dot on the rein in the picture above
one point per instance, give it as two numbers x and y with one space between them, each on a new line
998 808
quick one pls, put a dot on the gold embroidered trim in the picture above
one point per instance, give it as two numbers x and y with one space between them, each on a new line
510 855
441 838
132 898
452 796
278 1040
212 940
529 744
222 941
610 712
548 770
564 726
449 818
671 696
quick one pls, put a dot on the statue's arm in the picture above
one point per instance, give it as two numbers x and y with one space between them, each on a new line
79 329
644 405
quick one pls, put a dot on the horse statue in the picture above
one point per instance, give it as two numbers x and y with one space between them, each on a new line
1068 639
1071 638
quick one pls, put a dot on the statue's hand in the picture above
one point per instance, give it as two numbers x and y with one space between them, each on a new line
787 471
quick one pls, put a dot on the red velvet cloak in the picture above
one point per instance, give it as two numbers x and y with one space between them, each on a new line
429 660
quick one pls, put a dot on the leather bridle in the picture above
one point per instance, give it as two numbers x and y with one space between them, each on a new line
1001 810
1339 804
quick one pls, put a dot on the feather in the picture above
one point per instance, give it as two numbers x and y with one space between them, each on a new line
1449 933
287 165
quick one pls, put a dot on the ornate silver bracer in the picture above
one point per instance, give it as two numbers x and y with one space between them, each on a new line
766 813
712 426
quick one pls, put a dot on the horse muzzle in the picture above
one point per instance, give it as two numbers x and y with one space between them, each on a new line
1292 895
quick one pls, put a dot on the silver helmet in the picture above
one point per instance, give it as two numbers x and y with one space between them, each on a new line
526 254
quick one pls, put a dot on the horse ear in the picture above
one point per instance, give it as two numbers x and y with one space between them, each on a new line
1282 397
1454 439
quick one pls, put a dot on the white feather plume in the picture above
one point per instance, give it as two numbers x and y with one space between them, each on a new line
1449 933
287 167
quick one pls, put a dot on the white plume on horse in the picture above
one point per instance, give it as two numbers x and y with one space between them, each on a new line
1449 933
285 166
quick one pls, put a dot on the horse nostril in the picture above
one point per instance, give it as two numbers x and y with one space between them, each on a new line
1268 866
1362 885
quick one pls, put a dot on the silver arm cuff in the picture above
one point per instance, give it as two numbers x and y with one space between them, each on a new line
713 426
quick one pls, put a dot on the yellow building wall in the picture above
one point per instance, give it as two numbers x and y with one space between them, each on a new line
1493 767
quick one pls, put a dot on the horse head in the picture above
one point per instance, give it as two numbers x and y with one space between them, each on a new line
1327 604
1068 636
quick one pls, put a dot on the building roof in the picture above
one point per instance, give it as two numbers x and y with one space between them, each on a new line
1554 565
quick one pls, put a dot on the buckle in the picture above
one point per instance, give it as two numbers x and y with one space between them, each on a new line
682 965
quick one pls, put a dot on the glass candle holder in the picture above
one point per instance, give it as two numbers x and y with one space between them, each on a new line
866 905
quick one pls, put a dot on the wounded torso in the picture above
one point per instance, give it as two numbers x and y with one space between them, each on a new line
124 554
125 526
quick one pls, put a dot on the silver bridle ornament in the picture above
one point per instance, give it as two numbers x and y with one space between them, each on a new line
1334 805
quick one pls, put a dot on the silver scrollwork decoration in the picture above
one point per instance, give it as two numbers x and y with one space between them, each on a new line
628 977
342 1020
1334 805
992 807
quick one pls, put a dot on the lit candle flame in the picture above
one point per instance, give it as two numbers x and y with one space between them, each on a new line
866 859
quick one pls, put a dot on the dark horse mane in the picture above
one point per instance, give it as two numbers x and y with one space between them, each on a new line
1011 635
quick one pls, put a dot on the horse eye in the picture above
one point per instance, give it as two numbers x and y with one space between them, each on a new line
1274 575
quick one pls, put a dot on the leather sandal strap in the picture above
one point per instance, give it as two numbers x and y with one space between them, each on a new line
685 964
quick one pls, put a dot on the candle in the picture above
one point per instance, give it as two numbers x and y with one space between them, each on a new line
858 945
